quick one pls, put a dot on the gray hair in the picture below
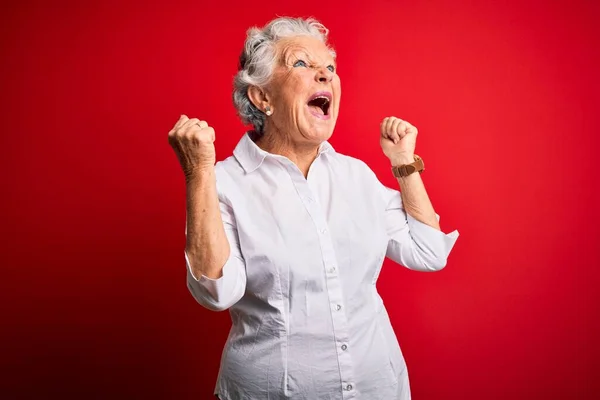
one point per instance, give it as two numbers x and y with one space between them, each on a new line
259 58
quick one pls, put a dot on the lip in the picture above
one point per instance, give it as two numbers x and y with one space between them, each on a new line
321 94
314 96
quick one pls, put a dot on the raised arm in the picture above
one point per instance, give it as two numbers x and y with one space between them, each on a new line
416 240
216 272
207 247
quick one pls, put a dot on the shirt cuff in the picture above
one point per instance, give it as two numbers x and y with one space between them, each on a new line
220 293
435 245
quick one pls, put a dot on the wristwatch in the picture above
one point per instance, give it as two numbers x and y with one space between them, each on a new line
401 171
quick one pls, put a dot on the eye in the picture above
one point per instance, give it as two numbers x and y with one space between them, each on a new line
331 68
299 63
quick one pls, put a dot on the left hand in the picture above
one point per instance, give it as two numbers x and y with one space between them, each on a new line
398 140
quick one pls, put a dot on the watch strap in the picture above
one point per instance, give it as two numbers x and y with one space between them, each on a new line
400 171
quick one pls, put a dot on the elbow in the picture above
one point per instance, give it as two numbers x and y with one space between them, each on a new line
429 258
419 255
427 262
436 264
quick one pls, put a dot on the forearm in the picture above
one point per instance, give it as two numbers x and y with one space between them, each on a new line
207 246
414 196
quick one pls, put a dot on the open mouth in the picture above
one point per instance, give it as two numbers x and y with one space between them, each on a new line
319 104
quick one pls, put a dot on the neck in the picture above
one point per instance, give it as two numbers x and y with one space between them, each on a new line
302 155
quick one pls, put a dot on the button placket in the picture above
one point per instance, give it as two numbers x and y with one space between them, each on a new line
333 286
340 322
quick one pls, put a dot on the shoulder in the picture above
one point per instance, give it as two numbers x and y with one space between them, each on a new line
360 174
227 167
227 175
353 166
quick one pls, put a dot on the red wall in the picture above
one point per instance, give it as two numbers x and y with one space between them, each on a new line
506 99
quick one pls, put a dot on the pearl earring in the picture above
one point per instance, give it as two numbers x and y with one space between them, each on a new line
268 111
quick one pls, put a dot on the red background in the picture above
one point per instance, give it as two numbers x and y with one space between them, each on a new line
506 99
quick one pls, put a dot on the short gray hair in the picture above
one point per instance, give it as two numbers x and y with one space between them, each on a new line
259 58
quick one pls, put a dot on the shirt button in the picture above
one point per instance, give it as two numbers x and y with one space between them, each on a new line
331 270
323 231
338 307
344 347
348 387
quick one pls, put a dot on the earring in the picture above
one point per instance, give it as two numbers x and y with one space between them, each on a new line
268 111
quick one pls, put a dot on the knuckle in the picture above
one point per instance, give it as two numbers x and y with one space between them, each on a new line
187 135
208 132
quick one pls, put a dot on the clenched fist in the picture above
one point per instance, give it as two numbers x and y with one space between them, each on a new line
193 142
398 140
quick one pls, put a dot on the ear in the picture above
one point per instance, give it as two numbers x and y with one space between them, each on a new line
258 97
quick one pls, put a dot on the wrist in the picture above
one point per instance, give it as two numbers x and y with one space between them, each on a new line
199 175
402 159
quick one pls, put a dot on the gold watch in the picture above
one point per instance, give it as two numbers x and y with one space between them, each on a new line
401 171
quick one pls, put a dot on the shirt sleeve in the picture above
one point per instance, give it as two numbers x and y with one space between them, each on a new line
220 294
413 244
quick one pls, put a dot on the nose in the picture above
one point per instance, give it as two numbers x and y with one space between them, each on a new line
323 75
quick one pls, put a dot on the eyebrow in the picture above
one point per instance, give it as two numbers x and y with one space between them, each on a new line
298 51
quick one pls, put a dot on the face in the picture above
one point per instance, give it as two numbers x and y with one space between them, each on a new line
305 91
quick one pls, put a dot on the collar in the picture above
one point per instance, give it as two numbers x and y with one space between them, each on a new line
251 157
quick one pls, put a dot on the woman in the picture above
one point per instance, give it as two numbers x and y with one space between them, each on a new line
290 236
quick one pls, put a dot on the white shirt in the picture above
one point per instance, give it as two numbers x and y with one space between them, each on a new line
307 321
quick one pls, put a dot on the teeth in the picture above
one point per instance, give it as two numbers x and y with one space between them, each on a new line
322 102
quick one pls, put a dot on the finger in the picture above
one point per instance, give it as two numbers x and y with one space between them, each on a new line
402 129
182 119
383 122
209 131
382 127
411 128
390 126
386 127
203 124
394 130
394 127
189 124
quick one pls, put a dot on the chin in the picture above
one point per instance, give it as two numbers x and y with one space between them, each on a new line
320 131
319 136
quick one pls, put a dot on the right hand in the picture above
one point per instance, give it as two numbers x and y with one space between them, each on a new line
193 142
